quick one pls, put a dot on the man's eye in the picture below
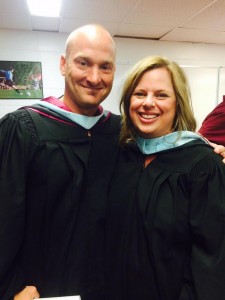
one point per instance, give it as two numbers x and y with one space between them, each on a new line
83 63
106 68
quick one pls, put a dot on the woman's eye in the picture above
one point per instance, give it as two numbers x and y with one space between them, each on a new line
138 94
162 96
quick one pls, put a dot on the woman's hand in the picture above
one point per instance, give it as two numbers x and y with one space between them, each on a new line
219 149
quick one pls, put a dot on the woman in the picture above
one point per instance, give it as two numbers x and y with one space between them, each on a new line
166 210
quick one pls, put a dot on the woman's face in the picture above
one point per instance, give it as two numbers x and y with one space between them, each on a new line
153 104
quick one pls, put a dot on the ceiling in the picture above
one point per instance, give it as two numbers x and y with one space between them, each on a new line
167 20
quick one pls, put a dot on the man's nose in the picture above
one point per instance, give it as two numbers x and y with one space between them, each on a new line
94 75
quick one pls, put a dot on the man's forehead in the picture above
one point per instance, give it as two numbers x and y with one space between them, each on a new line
93 41
94 57
93 52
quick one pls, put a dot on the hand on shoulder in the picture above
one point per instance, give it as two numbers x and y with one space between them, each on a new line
219 149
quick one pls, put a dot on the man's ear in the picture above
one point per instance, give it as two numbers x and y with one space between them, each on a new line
62 64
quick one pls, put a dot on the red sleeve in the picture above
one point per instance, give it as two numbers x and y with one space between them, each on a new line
213 127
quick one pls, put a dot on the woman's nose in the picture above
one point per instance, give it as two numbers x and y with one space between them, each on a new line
149 101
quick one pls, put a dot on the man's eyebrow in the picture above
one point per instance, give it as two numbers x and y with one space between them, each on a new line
109 62
104 62
81 57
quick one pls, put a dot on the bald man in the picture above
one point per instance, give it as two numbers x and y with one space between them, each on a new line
56 159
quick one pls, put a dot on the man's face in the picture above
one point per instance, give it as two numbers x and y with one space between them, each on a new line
89 68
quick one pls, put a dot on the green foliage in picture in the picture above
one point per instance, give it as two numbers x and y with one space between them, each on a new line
20 80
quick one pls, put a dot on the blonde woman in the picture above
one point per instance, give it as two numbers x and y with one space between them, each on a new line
166 208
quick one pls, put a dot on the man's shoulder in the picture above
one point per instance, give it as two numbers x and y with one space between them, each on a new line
20 114
116 118
109 123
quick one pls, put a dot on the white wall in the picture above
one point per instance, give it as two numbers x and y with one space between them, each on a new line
204 65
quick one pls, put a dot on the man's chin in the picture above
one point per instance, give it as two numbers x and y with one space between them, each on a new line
93 100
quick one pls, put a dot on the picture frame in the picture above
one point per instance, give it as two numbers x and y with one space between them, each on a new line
21 80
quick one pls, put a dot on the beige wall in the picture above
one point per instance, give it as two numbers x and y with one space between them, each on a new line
203 63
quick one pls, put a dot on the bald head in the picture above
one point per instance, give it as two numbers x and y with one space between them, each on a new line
88 67
94 34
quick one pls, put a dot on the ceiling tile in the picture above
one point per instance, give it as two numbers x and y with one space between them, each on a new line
212 18
165 13
45 23
198 36
144 31
15 21
147 19
101 10
18 6
68 25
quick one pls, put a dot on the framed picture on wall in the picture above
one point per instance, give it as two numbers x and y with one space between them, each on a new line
20 80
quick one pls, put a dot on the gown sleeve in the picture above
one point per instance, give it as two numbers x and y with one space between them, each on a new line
213 126
207 225
17 145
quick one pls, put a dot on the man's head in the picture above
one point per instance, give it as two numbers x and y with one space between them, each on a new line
88 66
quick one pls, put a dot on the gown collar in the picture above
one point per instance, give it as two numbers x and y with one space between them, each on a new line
60 108
168 141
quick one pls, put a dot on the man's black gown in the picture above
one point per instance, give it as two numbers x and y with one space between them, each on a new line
53 181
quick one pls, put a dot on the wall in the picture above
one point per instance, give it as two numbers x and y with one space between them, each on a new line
203 63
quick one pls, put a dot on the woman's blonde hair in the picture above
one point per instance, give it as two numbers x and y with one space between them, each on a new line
184 118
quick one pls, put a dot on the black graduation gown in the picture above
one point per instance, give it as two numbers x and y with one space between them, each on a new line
166 226
53 183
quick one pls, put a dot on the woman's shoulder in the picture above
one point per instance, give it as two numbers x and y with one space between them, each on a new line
191 155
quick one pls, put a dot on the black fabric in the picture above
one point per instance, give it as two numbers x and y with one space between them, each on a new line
53 183
165 233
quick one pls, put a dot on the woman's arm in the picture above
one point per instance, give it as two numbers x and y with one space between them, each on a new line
207 225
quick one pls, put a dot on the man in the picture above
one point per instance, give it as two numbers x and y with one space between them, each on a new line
56 159
9 79
213 127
